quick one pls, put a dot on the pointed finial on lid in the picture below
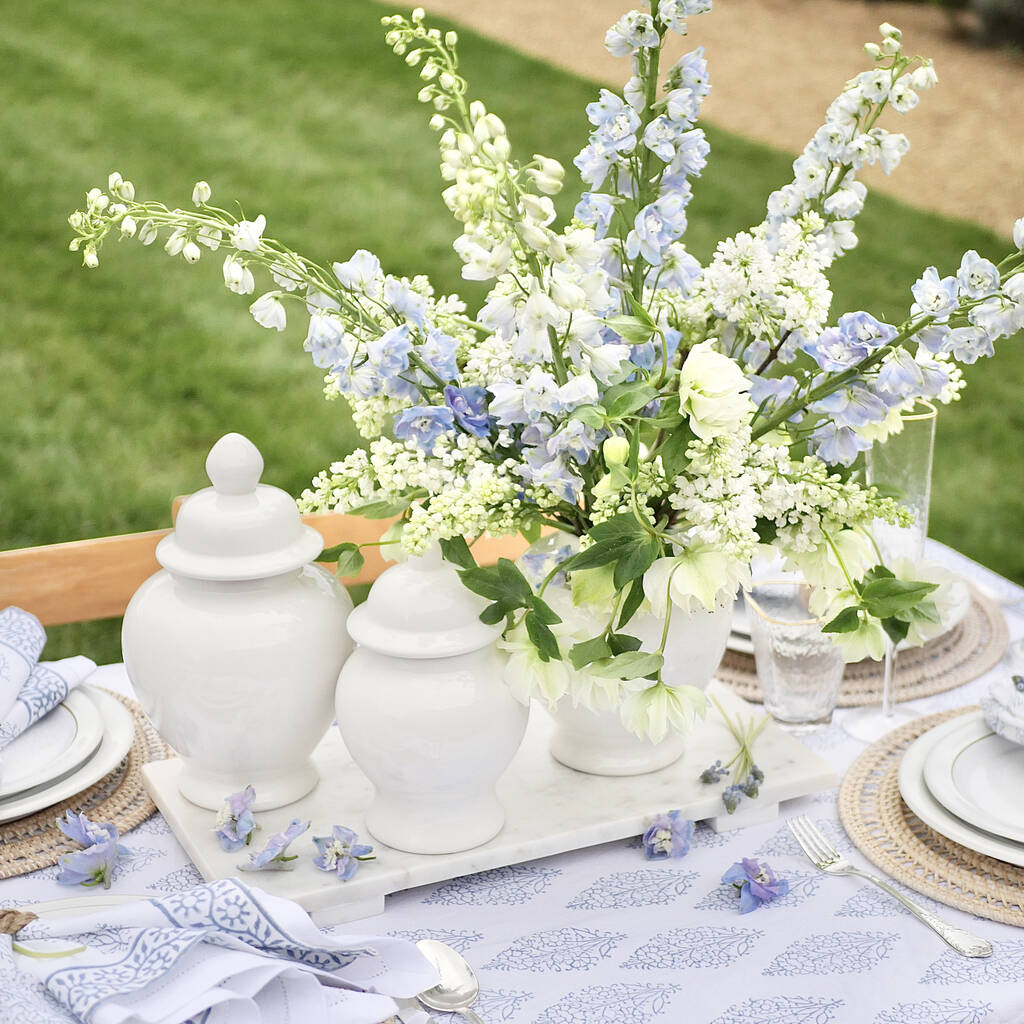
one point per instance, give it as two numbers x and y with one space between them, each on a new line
234 465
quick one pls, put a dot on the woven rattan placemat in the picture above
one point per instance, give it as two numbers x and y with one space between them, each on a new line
34 842
964 653
892 837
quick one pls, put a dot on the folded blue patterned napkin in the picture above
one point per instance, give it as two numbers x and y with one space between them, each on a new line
221 953
47 685
21 642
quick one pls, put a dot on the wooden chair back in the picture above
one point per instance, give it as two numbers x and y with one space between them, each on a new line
84 580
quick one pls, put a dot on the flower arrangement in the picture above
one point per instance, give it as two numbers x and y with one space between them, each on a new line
666 419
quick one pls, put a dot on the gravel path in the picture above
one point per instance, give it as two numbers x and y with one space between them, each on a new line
776 64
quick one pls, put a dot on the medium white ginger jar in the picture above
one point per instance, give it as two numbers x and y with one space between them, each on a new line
424 711
234 647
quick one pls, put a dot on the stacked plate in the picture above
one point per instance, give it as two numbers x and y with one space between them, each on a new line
77 744
965 782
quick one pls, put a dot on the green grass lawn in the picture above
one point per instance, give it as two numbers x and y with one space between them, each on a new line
114 383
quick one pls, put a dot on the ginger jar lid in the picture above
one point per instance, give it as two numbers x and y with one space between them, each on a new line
420 609
238 529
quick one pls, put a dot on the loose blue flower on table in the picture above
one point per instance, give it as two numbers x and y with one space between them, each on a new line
235 822
669 835
95 864
341 852
79 829
757 884
274 856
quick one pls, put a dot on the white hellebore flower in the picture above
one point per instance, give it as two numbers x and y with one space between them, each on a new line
268 311
248 234
701 577
238 277
650 712
713 392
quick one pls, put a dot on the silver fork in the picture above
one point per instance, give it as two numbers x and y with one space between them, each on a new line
827 858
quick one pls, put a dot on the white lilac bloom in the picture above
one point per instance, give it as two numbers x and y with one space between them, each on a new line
248 234
268 311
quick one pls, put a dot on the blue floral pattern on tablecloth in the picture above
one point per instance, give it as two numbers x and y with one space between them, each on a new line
602 936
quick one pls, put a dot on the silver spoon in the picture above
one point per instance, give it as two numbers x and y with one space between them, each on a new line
458 987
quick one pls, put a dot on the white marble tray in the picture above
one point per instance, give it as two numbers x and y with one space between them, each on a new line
550 809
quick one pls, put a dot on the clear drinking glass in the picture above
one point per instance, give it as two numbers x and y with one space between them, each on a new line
901 467
799 667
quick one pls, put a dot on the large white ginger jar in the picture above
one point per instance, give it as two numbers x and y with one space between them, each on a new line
234 647
424 711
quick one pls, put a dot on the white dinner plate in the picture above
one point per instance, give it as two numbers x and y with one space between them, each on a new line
917 797
56 745
118 735
979 776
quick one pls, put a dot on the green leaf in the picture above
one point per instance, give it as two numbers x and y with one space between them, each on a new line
593 415
333 554
847 621
629 665
635 560
381 509
885 597
456 551
493 614
634 330
639 312
517 583
531 530
544 612
622 642
878 572
602 553
673 451
767 531
350 562
634 598
589 650
638 395
542 637
485 581
897 629
668 417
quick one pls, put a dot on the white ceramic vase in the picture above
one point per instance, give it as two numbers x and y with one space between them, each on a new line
424 711
234 648
598 743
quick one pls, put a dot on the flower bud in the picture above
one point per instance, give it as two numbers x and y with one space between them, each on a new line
118 210
412 58
889 31
451 38
92 195
534 237
114 180
1018 233
201 193
873 50
418 14
175 242
428 71
549 186
890 46
501 149
75 244
476 111
615 450
128 227
126 191
549 167
148 233
90 259
77 219
101 203
191 252
447 81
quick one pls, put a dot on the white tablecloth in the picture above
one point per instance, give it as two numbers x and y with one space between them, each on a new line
603 936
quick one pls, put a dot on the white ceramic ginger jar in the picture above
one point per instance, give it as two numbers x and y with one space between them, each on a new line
235 646
424 711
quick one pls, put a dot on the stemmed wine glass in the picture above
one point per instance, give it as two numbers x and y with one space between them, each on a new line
901 467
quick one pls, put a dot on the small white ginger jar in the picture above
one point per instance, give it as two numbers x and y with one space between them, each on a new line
598 743
424 710
234 648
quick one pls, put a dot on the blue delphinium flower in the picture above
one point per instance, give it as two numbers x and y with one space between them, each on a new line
655 227
469 407
439 352
934 295
389 354
235 823
93 865
79 829
424 424
274 856
669 835
757 884
341 852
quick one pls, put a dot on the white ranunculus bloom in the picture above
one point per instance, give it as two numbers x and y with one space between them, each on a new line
713 392
268 311
248 234
821 567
